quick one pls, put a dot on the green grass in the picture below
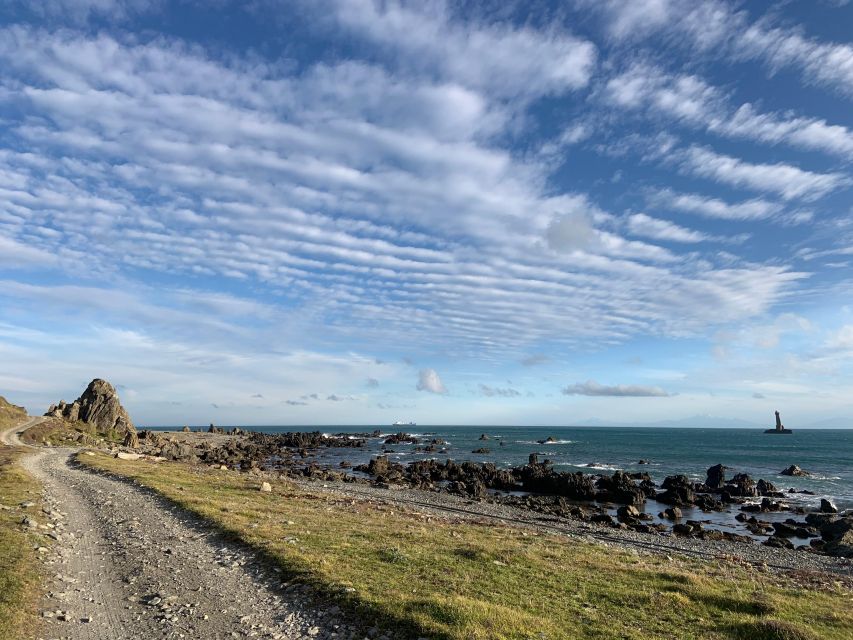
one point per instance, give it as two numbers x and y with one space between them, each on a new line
471 581
19 567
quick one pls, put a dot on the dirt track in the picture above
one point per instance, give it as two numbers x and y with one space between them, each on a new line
126 565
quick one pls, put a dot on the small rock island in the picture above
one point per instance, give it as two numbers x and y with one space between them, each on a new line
780 428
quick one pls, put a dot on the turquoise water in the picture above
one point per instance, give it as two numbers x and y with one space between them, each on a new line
826 453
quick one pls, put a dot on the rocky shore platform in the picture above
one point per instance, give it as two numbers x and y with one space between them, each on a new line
619 501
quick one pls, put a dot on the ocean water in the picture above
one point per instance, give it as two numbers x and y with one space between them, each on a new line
826 453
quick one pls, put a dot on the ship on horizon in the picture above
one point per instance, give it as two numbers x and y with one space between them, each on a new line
400 423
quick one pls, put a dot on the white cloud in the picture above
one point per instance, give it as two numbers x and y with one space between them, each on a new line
497 58
786 180
592 388
755 209
643 225
500 392
429 380
718 27
691 101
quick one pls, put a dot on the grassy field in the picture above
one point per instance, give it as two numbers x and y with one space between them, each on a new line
469 581
19 568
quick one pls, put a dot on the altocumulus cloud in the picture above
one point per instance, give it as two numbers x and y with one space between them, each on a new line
429 380
592 388
491 392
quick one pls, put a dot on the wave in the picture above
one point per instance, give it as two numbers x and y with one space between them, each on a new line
543 442
598 466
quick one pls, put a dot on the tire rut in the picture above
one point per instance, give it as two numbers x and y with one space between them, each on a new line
127 566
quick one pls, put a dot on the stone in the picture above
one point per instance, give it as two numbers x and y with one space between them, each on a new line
715 477
121 455
627 513
266 487
678 491
794 470
673 513
827 507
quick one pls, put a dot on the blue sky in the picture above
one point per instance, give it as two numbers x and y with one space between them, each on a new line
356 212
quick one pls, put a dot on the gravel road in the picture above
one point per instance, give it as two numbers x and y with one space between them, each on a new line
124 564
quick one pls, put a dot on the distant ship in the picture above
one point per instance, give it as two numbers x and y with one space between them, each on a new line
400 423
780 428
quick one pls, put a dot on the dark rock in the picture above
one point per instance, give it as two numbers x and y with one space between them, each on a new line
401 438
784 529
678 491
794 470
827 507
533 459
602 518
672 513
742 485
708 503
484 436
547 440
627 513
619 488
778 543
715 477
482 450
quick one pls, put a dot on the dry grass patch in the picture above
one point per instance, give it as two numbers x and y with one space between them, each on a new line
470 581
19 567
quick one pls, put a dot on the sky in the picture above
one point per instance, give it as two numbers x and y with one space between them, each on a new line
356 212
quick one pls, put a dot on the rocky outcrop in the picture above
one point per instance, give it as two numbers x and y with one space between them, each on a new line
715 477
794 470
100 407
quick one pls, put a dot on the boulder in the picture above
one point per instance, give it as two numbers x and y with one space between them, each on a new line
715 477
672 513
266 487
794 470
742 485
619 488
678 491
827 507
627 513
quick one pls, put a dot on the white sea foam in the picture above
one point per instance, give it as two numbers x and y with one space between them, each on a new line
598 466
544 442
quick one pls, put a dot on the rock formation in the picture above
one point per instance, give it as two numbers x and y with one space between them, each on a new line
100 407
780 428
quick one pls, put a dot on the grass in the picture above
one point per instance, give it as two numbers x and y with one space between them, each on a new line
469 581
57 431
19 567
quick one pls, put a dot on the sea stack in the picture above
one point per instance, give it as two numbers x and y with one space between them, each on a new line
780 428
99 406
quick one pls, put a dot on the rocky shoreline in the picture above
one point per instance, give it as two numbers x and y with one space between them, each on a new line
616 501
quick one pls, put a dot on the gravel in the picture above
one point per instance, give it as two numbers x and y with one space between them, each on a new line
126 564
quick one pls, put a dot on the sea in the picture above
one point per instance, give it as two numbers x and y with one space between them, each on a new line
827 454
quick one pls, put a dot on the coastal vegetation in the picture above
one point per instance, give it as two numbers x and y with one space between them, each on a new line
452 580
19 572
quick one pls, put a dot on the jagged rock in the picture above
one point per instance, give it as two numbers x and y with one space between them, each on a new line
99 406
794 470
678 491
619 488
131 439
742 485
827 507
766 488
672 513
627 513
715 477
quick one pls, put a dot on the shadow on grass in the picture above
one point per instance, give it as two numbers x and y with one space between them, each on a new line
767 629
322 594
